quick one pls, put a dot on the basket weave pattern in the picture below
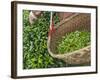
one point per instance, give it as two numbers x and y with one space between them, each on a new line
80 21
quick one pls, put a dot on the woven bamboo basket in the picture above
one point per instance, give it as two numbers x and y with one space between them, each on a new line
79 21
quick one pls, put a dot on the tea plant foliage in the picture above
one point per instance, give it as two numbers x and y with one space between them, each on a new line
35 53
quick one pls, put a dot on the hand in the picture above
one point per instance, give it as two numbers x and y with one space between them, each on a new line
33 15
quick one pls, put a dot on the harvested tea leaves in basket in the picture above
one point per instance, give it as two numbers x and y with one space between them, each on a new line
73 41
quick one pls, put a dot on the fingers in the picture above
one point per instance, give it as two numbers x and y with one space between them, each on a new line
37 13
33 15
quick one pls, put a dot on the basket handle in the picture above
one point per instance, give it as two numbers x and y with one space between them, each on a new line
52 29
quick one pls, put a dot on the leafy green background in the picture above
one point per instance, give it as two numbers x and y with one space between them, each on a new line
35 53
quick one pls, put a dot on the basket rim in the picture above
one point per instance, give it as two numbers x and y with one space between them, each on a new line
66 20
76 51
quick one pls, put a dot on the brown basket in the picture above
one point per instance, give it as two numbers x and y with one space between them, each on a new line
79 21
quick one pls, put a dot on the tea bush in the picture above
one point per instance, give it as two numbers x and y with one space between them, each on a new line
35 53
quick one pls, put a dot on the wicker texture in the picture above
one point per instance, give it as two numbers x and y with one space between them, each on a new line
80 21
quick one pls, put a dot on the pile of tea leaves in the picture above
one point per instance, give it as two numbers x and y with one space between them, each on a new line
73 41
